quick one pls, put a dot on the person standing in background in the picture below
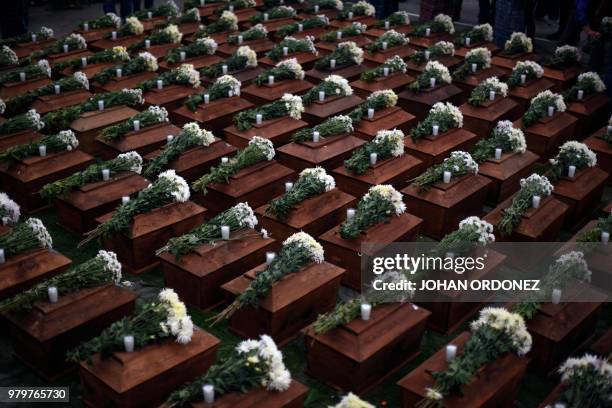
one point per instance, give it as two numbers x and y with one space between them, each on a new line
384 8
509 17
147 4
14 18
486 11
127 6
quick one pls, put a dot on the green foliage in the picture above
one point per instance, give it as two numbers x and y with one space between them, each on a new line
333 126
342 55
395 64
306 186
234 63
307 24
293 46
216 91
359 162
54 144
369 212
195 49
32 71
244 120
280 73
21 103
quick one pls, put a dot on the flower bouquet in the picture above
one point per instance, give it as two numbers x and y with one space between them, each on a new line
115 54
378 100
351 400
9 210
311 182
132 26
187 4
435 51
253 364
226 22
389 39
190 136
256 32
298 251
167 35
434 73
109 20
286 69
607 135
458 164
505 137
287 105
130 161
307 24
445 116
223 87
25 236
258 150
539 107
64 140
440 24
191 15
386 144
32 71
353 30
393 65
346 53
71 42
586 382
528 70
397 19
479 58
152 116
201 46
273 14
315 6
377 205
184 75
588 82
168 9
153 321
332 85
243 58
103 268
27 121
571 153
482 92
534 185
477 34
359 9
564 56
518 43
237 5
8 57
43 34
145 62
168 188
293 45
591 235
496 332
336 125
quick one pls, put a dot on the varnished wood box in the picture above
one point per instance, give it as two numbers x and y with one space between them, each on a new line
42 336
508 62
291 304
328 153
386 119
144 141
444 205
592 112
263 94
318 111
481 120
448 61
473 79
272 25
65 56
260 45
49 103
402 51
462 50
246 76
506 173
294 397
433 149
523 94
214 116
126 81
198 62
93 35
18 138
361 354
135 248
367 20
420 103
326 47
396 82
563 78
316 32
544 137
602 148
582 192
376 32
12 89
425 42
107 43
350 72
170 97
305 59
277 130
90 70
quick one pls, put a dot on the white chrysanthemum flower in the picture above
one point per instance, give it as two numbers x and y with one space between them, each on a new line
352 401
446 47
134 25
244 215
292 65
575 367
434 395
320 174
568 51
160 113
121 53
246 346
542 183
210 44
464 158
389 193
192 14
135 93
578 151
389 96
307 242
46 32
251 56
149 60
344 120
44 65
486 30
363 8
521 39
187 72
446 21
511 323
448 109
82 79
592 77
40 231
10 55
481 227
480 54
439 71
2 106
115 19
515 136
181 191
393 37
529 68
204 136
134 159
230 81
69 139
293 105
395 137
265 145
76 40
500 88
9 210
354 50
552 98
173 33
341 82
111 264
230 18
35 120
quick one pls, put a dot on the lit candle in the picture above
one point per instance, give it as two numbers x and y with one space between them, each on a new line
373 158
605 237
225 232
498 153
270 257
474 68
535 201
101 104
350 15
57 88
224 160
427 32
316 8
2 256
370 113
240 39
523 79
321 96
125 199
580 94
491 95
551 111
160 84
42 150
339 35
350 213
285 51
169 139
387 25
22 76
182 55
147 44
435 129
33 38
224 69
300 27
266 16
556 296
206 98
385 45
316 136
149 15
468 40
258 118
451 352
209 393
270 79
128 343
386 71
427 54
136 124
86 26
571 171
288 186
432 82
332 63
114 35
446 177
66 48
366 311
53 294
119 72
105 174
84 62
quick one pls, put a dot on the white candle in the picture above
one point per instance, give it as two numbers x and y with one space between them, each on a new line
230 93
202 2
169 139
224 69
332 63
288 186
427 32
105 174
270 79
580 94
609 129
373 158
370 113
101 104
535 201
498 153
240 39
446 177
474 68
366 311
258 118
316 136
468 40
125 199
350 213
84 62
432 82
225 232
114 35
224 160
66 49
321 96
556 296
300 27
339 35
128 343
435 130
264 234
385 45
53 294
285 51
209 393
386 25
571 171
523 79
2 256
237 91
86 26
551 111
427 54
491 95
316 8
350 15
302 75
149 15
136 124
206 98
231 8
147 44
42 150
270 257
22 76
119 72
451 352
605 237
386 71
57 89
160 84
266 16
182 55
33 38
559 405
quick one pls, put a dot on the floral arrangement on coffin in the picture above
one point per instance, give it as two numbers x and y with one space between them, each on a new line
167 35
377 205
145 62
258 150
444 115
21 102
540 104
361 8
529 69
115 54
28 121
191 15
284 70
397 19
167 189
566 270
438 50
103 268
564 56
201 46
109 20
607 135
332 85
588 82
307 24
243 58
223 87
459 164
226 22
393 64
324 5
477 34
64 140
238 5
336 125
152 322
571 153
386 144
41 35
353 30
534 185
352 401
9 210
440 24
273 14
132 26
591 235
293 45
190 136
168 9
505 137
25 236
130 161
253 364
518 43
187 4
8 57
297 252
184 75
378 100
62 118
256 32
73 42
496 332
480 58
389 39
287 105
152 116
346 53
310 183
32 71
434 73
586 382
482 92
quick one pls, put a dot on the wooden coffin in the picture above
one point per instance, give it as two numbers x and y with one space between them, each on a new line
350 72
14 139
49 103
90 70
544 137
367 20
448 61
93 35
433 149
135 248
214 116
473 79
170 97
126 81
107 43
146 377
318 111
294 397
246 76
292 303
420 103
523 94
328 153
581 193
425 42
596 143
403 51
66 56
144 141
260 45
263 94
563 78
197 276
506 173
305 59
316 32
12 89
444 205
376 32
26 48
481 120
150 23
198 62
509 61
272 25
326 47
386 119
395 82
220 38
42 336
361 354
592 112
277 130
463 49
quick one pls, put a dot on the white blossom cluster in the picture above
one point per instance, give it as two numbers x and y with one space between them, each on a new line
192 14
447 109
550 97
573 366
121 53
592 77
251 56
149 60
76 40
338 5
293 66
342 83
344 120
396 63
511 323
134 158
278 377
462 157
359 27
481 54
175 8
293 105
81 78
308 243
115 19
178 322
388 193
40 232
486 29
355 52
10 210
515 136
135 93
432 394
2 106
576 150
134 25
230 81
323 18
445 47
264 145
439 71
46 32
573 260
389 96
245 215
160 113
500 88
181 188
43 64
351 400
568 50
483 228
541 184
34 118
259 30
111 263
363 8
529 68
189 73
393 37
320 174
308 40
208 43
286 10
9 55
173 33
446 21
230 18
204 136
522 39
69 139
395 137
